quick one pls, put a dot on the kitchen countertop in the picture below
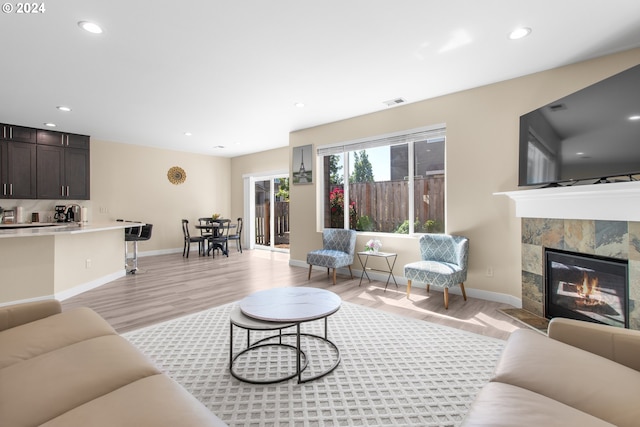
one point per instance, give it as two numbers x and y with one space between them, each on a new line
52 229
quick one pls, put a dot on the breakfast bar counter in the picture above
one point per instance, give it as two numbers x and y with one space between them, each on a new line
55 228
59 260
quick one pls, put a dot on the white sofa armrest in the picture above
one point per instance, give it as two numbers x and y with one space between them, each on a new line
617 344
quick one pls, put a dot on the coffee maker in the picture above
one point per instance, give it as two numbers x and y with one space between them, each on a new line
72 213
61 213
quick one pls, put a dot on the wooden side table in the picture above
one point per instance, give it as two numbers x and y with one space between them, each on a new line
389 257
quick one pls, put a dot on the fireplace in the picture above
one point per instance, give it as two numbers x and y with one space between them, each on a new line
586 287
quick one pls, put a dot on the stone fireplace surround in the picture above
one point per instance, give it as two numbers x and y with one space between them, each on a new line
616 239
601 219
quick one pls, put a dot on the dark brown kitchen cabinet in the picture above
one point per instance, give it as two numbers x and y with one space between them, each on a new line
71 140
63 173
18 133
17 170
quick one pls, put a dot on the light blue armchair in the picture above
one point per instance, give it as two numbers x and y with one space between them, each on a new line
338 250
444 263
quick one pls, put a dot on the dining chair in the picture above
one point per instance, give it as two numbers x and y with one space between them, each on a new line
443 264
204 222
220 240
188 239
237 235
206 231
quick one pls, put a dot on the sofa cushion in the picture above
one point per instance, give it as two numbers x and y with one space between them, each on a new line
577 378
41 388
41 336
154 401
502 405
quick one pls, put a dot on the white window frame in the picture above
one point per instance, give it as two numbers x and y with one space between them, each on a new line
408 136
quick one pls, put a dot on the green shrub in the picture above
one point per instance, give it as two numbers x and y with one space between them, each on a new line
429 226
364 224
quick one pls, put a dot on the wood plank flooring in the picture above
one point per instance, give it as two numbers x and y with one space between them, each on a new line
171 286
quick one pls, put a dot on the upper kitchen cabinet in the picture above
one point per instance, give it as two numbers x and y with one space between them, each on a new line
43 164
17 170
63 173
63 166
70 140
18 133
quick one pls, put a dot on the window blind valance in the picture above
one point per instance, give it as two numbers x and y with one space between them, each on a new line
431 134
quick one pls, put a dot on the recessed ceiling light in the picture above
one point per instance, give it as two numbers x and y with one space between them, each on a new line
90 27
634 118
63 108
51 125
519 33
188 134
299 104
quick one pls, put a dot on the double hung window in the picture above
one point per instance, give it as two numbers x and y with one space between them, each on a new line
388 184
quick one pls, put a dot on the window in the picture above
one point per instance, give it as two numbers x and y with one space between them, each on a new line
542 165
370 185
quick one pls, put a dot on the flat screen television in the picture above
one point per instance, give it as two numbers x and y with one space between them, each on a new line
590 136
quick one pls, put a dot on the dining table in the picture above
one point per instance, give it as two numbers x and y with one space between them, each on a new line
212 226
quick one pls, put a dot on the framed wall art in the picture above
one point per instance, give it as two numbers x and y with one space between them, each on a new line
302 164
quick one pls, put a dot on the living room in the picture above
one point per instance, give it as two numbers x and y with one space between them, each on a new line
129 179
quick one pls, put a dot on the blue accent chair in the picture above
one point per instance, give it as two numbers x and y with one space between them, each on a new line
338 250
444 263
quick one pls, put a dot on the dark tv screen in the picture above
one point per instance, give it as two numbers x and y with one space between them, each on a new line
589 135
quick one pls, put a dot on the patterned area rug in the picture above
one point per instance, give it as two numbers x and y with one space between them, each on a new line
394 371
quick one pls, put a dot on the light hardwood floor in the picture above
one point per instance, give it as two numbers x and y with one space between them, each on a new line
171 286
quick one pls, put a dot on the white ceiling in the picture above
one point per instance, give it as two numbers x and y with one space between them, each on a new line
230 71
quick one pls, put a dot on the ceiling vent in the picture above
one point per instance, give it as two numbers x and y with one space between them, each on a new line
393 102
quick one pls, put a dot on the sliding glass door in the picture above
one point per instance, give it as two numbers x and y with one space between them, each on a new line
269 198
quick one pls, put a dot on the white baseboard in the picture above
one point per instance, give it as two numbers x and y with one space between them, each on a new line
77 290
22 301
473 293
194 247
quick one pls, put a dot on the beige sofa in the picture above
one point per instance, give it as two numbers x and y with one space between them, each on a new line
583 374
72 369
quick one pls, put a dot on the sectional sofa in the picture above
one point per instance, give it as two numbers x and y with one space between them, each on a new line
72 369
582 374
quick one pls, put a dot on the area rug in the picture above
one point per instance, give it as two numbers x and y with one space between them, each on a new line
394 371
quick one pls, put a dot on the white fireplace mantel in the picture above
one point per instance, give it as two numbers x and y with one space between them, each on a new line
618 201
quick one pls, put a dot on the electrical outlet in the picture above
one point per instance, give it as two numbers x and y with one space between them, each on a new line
87 263
489 271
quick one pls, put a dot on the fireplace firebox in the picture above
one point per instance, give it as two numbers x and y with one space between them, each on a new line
586 287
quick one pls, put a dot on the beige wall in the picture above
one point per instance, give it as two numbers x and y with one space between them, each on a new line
265 162
481 158
22 278
130 182
82 258
66 264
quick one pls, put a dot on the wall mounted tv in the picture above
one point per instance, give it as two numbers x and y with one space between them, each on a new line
590 136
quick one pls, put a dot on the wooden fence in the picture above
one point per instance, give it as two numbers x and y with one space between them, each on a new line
386 203
281 223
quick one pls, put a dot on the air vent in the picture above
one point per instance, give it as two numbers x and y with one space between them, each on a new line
557 107
393 102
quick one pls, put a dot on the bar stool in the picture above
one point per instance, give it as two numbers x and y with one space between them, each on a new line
135 235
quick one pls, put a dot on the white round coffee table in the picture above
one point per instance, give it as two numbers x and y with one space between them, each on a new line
280 308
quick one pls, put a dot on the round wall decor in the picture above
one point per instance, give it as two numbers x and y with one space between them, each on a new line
176 175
